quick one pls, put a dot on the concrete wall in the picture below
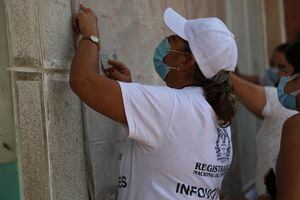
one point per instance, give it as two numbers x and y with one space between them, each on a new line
275 24
9 179
7 132
48 115
66 150
246 20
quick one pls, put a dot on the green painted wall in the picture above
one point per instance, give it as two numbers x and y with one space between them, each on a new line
9 181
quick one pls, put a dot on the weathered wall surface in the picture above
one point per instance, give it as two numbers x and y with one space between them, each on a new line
48 115
52 125
275 23
246 19
9 179
7 131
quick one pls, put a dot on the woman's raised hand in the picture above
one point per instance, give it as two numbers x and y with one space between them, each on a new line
118 71
86 22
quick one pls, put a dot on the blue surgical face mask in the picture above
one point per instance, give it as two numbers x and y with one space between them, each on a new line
162 49
160 52
272 72
287 100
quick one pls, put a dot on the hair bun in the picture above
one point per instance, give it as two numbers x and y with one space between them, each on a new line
221 77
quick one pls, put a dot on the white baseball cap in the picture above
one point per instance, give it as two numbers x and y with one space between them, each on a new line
212 44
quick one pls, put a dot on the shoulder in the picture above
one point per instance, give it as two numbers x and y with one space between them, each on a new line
290 131
270 89
188 91
191 92
273 107
292 123
270 92
191 96
137 89
144 86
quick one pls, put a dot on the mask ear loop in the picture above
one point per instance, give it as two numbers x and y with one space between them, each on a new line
295 93
174 68
172 50
292 77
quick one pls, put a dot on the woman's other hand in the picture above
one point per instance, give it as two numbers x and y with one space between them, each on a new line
118 71
86 22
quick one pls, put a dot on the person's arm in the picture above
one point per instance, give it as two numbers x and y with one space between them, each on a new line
250 78
251 96
99 92
288 170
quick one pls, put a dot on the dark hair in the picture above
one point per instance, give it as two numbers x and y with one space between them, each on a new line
281 49
292 56
270 183
218 93
296 35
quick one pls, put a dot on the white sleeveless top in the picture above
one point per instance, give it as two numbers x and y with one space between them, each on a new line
269 135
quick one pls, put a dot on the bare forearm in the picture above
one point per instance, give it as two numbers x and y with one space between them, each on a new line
86 60
252 96
251 78
99 92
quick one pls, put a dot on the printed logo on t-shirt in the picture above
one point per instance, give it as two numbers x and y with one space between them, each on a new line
223 145
212 171
196 191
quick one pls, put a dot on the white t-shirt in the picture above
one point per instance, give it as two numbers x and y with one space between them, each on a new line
175 148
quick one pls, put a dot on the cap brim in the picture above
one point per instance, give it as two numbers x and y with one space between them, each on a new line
175 22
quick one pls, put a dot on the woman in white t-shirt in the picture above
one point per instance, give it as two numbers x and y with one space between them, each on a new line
179 143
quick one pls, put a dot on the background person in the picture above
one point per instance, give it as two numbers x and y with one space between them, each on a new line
263 102
288 171
277 67
268 108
